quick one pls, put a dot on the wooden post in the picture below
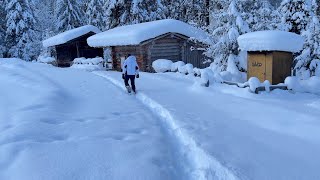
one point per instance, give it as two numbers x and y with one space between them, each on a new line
78 54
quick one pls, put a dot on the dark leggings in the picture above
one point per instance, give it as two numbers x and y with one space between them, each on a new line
126 81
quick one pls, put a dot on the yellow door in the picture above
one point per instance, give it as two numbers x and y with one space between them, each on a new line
257 66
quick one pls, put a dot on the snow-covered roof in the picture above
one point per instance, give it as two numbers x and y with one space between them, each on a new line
271 41
69 35
137 33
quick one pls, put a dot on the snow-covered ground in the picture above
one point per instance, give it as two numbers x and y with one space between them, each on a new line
71 124
244 135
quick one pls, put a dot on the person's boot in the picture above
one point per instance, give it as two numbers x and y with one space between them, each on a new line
128 89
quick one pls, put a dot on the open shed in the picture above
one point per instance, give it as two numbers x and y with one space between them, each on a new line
73 44
270 54
162 39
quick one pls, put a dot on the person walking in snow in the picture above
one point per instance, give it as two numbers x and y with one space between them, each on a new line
130 71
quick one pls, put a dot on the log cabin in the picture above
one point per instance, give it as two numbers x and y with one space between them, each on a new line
73 44
162 39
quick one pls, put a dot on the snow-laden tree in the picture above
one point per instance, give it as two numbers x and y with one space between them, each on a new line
20 35
68 15
146 10
117 12
95 13
227 28
2 28
308 62
260 15
295 15
194 12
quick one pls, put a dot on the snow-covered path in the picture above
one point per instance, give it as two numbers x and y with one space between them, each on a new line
266 136
69 124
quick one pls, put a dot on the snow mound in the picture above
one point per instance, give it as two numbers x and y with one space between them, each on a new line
311 85
90 64
46 59
175 66
162 65
196 71
271 41
69 35
189 68
183 69
137 33
254 83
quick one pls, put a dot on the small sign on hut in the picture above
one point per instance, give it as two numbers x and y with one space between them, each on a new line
162 39
270 54
73 44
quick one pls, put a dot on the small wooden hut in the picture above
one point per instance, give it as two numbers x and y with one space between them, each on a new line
73 44
270 54
162 39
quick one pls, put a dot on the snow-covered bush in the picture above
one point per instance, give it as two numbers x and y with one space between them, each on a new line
189 68
207 77
196 72
47 60
175 66
162 65
90 64
183 69
292 83
311 85
303 73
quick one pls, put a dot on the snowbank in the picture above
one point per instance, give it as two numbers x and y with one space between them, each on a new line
254 83
311 85
162 65
90 64
196 71
46 59
189 68
271 41
137 33
69 35
175 66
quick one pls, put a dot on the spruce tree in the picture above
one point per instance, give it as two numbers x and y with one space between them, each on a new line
2 28
295 15
117 13
68 15
226 29
146 10
20 35
308 61
94 13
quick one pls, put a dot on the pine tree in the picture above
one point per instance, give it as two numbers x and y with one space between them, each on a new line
94 13
260 15
308 62
226 29
295 15
20 35
117 12
146 10
68 15
2 28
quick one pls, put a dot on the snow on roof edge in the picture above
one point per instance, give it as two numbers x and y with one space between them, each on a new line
137 33
69 35
271 40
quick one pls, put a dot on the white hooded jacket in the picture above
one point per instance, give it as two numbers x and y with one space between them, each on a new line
130 66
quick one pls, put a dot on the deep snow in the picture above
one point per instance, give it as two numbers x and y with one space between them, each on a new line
246 136
71 124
